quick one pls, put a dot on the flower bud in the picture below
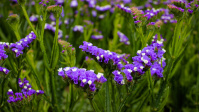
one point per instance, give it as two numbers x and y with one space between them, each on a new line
21 2
55 9
158 24
13 20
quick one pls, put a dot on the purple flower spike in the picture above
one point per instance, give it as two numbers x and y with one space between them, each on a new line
76 75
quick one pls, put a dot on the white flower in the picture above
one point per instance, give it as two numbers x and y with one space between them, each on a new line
159 42
102 56
135 68
90 44
139 51
141 67
97 57
60 69
99 75
67 68
84 80
164 50
129 70
91 70
146 61
74 69
143 54
4 70
16 51
10 90
154 69
122 82
89 82
20 83
37 91
25 87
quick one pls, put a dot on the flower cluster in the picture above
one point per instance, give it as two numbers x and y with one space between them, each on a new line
78 28
52 28
150 57
103 8
3 54
26 93
82 77
19 46
123 38
44 2
4 70
34 18
59 2
97 37
124 9
74 4
178 7
101 55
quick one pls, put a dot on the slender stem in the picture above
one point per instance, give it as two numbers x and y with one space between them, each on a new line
27 18
122 104
17 35
113 95
41 41
2 91
107 97
54 54
53 91
71 97
91 101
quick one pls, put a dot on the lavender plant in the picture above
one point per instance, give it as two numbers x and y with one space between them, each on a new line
99 55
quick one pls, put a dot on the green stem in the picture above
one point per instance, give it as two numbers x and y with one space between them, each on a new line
113 95
71 97
122 104
17 35
33 70
53 91
91 101
2 91
55 54
45 57
107 97
27 18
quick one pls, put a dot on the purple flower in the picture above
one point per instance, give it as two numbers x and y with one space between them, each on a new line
39 92
156 69
118 77
74 4
97 37
34 18
128 72
78 28
18 47
103 8
77 75
11 99
124 9
190 11
102 55
4 70
10 92
123 38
